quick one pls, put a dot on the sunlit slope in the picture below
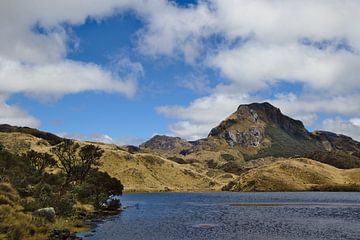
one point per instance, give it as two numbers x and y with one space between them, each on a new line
138 171
297 174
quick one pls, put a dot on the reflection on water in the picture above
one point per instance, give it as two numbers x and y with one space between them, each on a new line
221 215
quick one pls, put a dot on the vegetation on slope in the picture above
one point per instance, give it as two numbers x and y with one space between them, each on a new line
337 159
27 185
285 145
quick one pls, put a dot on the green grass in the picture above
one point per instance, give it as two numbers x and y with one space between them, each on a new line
285 145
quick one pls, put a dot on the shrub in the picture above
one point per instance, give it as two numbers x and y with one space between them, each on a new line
97 188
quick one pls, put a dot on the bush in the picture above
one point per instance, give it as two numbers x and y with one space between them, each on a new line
14 224
97 188
64 204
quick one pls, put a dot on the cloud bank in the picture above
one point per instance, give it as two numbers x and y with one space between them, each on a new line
253 45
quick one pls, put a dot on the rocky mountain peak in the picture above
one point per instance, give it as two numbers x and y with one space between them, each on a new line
246 126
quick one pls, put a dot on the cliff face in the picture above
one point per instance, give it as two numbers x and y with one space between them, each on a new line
247 126
337 142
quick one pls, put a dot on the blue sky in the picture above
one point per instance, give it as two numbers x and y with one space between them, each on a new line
123 71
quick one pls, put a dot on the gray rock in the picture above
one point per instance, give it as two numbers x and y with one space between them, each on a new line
248 138
47 213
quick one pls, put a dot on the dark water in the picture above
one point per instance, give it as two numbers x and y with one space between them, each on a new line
255 216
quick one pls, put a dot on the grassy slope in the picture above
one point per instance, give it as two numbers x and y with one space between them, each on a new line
298 174
137 171
141 171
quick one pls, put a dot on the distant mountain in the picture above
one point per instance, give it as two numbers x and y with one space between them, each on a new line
269 151
261 130
166 145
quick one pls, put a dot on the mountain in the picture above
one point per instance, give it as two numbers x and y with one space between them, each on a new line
257 148
254 133
263 130
258 130
166 145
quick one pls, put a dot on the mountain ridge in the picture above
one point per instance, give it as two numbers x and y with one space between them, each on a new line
255 140
261 126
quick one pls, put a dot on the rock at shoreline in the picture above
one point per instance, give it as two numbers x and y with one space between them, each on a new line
63 234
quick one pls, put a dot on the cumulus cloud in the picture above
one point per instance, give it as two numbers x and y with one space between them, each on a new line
255 66
34 42
59 78
202 114
16 116
258 43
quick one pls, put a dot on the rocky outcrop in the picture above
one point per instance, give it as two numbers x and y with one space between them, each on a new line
273 116
246 127
337 142
166 144
248 138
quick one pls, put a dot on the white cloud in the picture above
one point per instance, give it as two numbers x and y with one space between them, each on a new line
201 115
59 78
355 121
34 44
254 66
172 31
261 45
103 138
16 116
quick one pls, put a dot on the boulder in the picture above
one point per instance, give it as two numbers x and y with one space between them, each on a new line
47 213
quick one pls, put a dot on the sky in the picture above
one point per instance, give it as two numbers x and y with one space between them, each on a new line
121 71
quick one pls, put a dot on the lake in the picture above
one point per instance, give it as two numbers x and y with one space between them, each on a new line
225 215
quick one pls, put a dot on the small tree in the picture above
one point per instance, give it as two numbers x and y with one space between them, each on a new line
66 153
40 161
76 162
89 159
